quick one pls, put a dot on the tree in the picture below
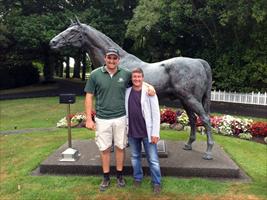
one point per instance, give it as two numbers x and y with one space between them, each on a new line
32 32
229 35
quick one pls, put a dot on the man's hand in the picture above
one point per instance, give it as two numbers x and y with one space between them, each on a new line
90 125
154 140
151 90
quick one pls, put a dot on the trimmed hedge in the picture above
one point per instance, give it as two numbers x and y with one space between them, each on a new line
17 75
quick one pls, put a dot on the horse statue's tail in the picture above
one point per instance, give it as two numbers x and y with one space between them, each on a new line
207 95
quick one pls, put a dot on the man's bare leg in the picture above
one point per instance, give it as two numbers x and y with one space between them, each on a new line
119 158
119 166
105 155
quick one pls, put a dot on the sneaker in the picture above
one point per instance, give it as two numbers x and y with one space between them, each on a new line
156 189
137 184
104 185
120 182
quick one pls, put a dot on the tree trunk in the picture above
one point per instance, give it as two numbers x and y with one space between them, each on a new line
77 66
60 67
84 66
48 66
67 67
57 64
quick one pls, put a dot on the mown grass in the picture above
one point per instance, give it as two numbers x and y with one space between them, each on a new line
20 154
35 112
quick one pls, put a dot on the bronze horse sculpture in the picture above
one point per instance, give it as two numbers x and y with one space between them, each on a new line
186 79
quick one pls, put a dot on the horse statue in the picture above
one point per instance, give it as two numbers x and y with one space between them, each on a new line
186 79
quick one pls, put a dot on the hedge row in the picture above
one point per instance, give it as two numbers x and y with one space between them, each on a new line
12 76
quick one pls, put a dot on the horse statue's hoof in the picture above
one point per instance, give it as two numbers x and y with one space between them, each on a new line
187 147
207 156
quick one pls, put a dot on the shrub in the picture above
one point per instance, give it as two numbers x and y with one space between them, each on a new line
183 119
199 122
259 129
225 127
215 121
76 120
229 125
246 136
164 126
167 115
240 126
16 75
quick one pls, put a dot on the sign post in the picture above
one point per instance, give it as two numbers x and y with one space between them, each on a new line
69 154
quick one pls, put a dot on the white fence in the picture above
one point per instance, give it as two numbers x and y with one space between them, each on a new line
245 98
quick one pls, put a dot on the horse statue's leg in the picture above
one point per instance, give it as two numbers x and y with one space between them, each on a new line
206 120
197 108
192 123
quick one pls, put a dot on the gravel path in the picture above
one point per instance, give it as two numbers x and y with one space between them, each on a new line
28 130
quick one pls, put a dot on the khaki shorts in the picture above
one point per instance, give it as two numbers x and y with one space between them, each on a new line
111 129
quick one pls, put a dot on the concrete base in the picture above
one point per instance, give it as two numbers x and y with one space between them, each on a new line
178 163
70 154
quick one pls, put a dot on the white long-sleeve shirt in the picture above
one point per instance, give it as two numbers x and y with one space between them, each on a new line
150 112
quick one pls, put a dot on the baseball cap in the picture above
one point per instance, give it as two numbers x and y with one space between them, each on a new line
112 51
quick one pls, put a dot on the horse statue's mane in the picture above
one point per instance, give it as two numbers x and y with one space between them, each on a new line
186 79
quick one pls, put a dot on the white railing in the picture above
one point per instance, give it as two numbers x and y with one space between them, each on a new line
245 98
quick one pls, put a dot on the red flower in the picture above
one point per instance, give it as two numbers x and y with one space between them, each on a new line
93 114
199 122
215 121
168 116
259 129
71 116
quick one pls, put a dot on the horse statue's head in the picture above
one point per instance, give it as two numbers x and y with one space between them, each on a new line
72 36
92 41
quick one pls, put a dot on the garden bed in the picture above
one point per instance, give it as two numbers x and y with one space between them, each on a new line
227 125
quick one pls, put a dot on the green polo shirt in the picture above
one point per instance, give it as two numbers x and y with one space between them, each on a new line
109 91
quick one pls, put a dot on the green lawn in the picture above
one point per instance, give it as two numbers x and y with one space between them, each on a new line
35 112
22 153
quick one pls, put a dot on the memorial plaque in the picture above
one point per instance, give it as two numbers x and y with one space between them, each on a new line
67 98
162 151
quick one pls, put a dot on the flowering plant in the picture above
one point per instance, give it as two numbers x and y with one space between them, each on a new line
62 123
229 125
224 127
215 121
77 119
246 136
240 126
183 119
259 129
167 115
199 122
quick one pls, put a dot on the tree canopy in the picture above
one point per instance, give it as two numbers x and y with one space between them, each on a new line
229 35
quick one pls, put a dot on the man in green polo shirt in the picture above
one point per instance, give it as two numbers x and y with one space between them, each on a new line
108 84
